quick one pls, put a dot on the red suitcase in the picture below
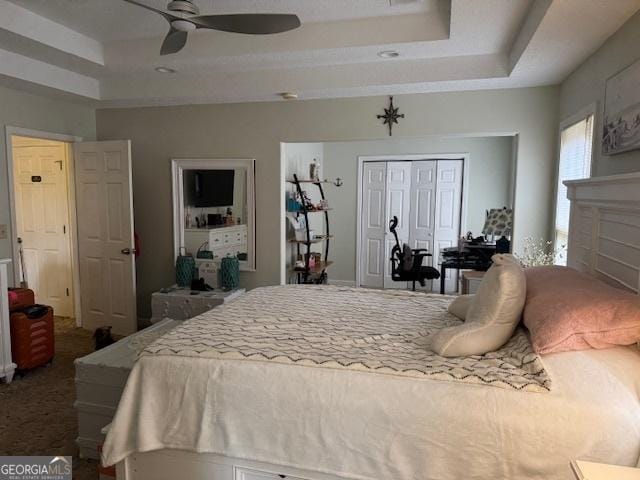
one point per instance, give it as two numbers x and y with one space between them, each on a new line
25 298
32 342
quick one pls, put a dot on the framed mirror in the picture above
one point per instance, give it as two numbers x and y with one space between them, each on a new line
214 208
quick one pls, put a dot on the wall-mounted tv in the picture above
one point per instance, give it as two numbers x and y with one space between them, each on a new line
209 188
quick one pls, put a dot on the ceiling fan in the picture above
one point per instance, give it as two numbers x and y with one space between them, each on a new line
183 17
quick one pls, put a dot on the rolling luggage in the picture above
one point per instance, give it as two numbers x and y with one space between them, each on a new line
32 343
25 298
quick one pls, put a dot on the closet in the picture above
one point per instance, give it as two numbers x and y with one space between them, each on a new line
426 196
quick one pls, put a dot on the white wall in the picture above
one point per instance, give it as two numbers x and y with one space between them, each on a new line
489 177
586 85
256 130
18 109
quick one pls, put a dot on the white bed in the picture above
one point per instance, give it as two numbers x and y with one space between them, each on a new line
258 420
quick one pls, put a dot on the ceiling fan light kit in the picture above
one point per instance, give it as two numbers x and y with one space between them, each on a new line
183 25
183 17
183 6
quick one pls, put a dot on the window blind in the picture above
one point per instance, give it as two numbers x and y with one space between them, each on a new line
575 162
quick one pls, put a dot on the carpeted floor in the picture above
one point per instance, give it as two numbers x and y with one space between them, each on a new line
37 415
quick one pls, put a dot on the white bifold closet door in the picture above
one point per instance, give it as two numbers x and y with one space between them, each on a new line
373 224
448 210
398 205
426 196
423 210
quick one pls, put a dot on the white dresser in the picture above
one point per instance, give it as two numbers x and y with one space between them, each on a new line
182 303
7 367
223 241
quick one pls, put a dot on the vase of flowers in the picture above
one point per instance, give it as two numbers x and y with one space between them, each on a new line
537 253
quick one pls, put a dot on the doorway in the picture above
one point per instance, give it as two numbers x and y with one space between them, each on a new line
49 174
41 175
426 194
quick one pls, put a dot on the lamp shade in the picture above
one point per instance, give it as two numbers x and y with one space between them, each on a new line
499 222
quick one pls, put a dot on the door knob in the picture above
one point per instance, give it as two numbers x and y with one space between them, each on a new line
128 251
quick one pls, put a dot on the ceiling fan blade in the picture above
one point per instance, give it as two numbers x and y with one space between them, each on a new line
173 42
166 15
250 23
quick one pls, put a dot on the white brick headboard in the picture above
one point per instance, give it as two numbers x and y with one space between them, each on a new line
604 231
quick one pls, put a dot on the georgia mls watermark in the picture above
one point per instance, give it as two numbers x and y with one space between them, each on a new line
35 468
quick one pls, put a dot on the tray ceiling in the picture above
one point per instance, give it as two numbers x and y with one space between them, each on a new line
107 51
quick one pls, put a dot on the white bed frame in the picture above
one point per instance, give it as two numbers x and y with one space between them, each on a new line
604 231
604 241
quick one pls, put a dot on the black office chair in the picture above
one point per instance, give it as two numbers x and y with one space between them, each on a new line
406 263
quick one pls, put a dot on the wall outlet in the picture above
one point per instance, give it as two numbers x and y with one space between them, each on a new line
3 231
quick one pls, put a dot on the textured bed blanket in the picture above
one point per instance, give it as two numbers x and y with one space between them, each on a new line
376 331
357 408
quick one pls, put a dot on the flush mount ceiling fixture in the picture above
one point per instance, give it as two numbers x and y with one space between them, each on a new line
289 95
388 54
183 17
165 70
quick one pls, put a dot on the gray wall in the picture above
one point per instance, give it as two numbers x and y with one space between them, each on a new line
489 174
586 85
18 109
256 130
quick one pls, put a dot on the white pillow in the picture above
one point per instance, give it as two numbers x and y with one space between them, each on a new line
493 314
460 306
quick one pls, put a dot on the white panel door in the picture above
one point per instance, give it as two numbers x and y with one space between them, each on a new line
398 204
373 225
423 208
42 215
105 235
447 213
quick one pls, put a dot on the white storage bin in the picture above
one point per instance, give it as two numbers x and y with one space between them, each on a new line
100 380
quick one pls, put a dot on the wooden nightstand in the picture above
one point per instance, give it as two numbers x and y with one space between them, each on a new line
600 471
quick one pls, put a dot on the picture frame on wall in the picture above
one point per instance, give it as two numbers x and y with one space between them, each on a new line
621 124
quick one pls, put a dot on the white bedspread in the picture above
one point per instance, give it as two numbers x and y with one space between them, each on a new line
363 425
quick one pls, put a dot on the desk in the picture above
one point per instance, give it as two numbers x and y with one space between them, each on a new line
469 257
458 265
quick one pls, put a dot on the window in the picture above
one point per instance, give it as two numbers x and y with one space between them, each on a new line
576 141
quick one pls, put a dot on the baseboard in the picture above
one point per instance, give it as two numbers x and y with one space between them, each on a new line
342 283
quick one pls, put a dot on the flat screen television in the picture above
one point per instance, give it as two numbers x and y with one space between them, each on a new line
212 188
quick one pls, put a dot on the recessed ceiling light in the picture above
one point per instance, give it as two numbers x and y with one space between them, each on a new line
165 70
388 54
289 95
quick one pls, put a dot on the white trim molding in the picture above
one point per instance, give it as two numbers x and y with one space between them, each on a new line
178 165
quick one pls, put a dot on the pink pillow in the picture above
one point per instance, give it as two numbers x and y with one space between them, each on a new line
569 310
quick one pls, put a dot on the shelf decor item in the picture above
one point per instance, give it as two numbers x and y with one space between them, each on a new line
229 273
